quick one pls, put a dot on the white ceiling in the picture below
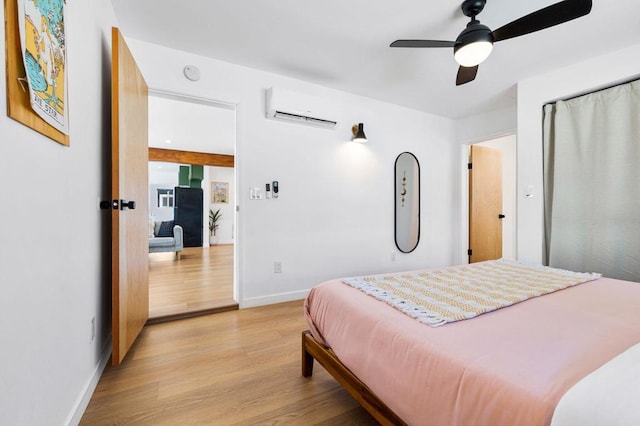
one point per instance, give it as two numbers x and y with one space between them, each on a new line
191 126
345 44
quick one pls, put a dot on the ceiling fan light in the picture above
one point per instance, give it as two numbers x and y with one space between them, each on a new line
472 54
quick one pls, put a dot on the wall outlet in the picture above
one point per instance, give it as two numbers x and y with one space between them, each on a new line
93 329
277 267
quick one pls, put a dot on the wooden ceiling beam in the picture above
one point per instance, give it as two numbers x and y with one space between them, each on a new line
188 157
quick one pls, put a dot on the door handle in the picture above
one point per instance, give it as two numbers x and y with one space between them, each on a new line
105 205
109 204
501 216
127 205
115 204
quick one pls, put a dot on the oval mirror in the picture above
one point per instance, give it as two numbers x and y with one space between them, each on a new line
407 202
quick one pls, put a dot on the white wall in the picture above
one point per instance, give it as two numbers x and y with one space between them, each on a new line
489 125
334 216
55 252
533 93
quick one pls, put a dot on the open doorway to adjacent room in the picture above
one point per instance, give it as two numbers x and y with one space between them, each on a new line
192 184
494 189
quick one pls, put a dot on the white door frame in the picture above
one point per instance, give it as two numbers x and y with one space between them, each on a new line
465 149
237 107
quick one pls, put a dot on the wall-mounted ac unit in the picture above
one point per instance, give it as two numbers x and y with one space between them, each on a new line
299 108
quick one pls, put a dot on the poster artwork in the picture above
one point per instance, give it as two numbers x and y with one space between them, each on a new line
219 192
42 35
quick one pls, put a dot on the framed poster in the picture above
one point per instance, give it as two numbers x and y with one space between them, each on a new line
43 41
19 100
219 192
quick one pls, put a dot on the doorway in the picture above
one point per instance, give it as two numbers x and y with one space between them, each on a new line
196 136
506 145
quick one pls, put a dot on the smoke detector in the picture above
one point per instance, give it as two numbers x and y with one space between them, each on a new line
192 72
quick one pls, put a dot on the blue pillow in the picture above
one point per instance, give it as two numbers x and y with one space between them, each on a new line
166 229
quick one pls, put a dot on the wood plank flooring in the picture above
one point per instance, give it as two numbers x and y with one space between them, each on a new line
233 368
200 281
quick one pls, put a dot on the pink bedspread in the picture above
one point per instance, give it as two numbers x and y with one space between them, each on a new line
507 367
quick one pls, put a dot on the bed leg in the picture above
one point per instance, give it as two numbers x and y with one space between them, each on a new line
307 359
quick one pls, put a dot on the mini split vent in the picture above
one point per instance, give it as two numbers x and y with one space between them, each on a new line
299 108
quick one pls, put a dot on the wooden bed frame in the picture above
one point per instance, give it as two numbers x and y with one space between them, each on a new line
311 350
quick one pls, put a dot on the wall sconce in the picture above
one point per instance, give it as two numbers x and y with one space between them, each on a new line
358 133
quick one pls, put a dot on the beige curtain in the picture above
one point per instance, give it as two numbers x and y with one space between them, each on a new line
592 182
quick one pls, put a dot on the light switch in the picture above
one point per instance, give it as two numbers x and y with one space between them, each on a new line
529 191
255 193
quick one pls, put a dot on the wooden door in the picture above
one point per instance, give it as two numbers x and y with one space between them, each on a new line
129 157
485 204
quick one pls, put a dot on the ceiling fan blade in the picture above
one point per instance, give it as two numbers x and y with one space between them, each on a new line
466 74
422 43
549 16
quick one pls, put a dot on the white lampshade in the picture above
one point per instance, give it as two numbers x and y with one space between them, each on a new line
474 53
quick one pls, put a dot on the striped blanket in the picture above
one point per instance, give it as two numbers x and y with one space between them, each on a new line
447 295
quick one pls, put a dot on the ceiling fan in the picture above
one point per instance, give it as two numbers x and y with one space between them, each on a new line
475 42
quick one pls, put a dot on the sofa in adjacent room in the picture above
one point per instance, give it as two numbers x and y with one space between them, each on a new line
165 236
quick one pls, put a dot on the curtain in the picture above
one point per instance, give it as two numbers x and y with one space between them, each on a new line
592 182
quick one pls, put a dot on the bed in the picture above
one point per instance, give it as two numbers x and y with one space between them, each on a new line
514 365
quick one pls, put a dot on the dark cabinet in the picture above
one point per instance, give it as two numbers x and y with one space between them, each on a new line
187 212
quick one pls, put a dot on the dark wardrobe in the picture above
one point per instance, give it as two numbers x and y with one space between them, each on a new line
187 212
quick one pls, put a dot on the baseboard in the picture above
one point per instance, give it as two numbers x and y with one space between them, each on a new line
273 298
197 313
87 392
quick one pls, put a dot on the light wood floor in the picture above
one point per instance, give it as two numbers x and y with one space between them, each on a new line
232 368
200 281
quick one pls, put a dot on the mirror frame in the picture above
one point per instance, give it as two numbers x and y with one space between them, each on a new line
398 201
